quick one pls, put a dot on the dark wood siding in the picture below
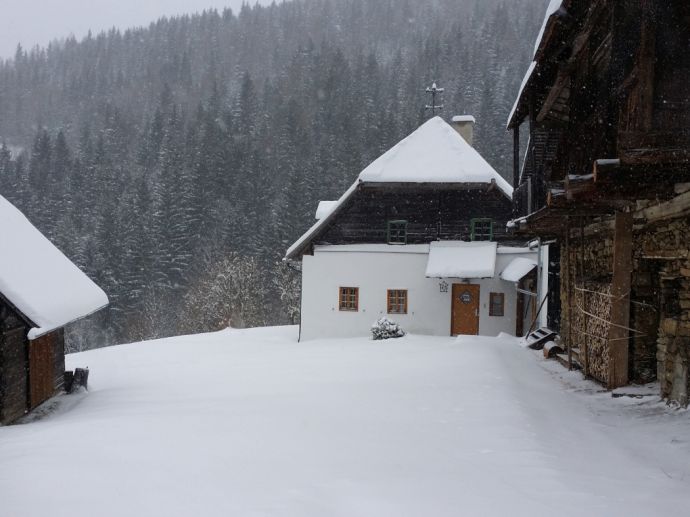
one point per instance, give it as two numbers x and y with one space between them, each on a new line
30 372
431 214
13 365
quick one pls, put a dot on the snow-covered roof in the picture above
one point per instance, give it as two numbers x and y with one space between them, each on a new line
456 259
517 269
422 249
525 80
551 9
554 5
325 208
321 223
515 250
35 277
433 153
463 118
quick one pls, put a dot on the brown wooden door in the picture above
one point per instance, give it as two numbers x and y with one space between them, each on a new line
465 310
41 382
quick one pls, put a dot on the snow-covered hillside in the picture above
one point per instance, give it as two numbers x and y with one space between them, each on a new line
252 423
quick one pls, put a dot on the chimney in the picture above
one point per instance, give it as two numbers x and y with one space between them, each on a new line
464 124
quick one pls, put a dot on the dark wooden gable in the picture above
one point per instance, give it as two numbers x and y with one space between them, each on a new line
30 371
432 212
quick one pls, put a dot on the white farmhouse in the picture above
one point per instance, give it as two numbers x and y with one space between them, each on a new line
420 237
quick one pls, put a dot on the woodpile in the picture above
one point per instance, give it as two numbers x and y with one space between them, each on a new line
591 324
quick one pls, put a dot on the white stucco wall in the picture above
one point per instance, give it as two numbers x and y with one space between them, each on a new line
398 267
544 280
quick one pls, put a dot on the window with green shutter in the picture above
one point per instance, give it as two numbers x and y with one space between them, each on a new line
397 232
482 229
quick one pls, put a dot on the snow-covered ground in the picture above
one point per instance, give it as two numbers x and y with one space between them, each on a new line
252 423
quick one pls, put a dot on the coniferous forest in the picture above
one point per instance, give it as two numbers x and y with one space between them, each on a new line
176 163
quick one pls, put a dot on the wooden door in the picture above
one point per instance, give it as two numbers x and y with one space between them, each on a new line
465 310
41 382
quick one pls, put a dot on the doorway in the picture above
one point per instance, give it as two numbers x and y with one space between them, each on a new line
465 310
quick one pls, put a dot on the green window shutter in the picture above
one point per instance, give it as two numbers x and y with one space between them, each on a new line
482 229
396 232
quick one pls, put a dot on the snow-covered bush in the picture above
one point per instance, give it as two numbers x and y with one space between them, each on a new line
386 329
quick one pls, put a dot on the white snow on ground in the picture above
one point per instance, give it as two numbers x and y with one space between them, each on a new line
252 423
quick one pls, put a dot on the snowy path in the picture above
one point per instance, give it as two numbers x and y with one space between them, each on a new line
251 423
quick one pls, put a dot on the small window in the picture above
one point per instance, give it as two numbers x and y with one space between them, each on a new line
397 301
397 232
482 229
349 299
496 304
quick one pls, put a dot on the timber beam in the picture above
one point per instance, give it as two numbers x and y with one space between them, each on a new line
619 331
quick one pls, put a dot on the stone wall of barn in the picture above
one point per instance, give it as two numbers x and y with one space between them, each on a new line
660 303
665 248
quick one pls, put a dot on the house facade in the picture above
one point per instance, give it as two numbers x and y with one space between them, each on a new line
420 238
606 176
41 292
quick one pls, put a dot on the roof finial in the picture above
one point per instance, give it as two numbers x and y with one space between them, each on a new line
434 91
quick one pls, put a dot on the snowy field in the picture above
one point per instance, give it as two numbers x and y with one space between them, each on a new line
252 423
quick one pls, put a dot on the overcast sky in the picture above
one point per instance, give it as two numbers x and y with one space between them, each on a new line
34 22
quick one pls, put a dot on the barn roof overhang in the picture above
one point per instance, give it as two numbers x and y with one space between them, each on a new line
545 87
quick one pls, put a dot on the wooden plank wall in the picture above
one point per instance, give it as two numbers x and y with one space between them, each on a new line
30 372
13 365
431 214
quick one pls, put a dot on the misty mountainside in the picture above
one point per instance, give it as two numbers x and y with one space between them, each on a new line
176 163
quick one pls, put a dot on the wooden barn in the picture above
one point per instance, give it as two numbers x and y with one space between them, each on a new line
420 238
41 291
606 175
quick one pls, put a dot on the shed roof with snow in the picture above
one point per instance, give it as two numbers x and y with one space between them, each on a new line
457 259
518 269
38 280
434 153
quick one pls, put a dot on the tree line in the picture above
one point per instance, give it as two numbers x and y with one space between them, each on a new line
176 163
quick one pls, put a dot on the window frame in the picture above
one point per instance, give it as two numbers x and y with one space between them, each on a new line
404 224
475 221
345 302
502 304
394 294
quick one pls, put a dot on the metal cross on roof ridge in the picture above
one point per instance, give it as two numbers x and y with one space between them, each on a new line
434 91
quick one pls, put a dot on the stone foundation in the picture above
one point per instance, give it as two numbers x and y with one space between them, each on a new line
660 302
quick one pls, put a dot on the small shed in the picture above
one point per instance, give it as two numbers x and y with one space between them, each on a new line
41 291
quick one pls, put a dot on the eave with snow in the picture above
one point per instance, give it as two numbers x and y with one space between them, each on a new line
41 291
420 238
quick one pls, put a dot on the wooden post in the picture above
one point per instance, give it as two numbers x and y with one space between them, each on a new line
619 332
565 304
581 266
